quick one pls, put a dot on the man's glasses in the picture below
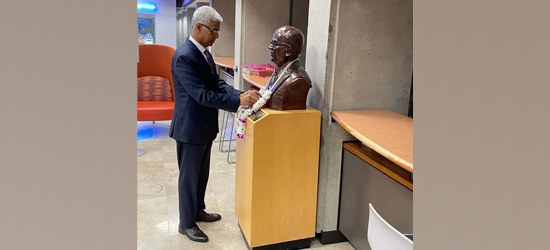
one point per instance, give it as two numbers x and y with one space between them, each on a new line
214 31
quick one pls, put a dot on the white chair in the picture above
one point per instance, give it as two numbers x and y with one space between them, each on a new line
382 236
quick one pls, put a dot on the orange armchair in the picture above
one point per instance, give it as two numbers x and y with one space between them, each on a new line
155 85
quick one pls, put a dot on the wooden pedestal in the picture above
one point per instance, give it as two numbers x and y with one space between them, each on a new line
276 177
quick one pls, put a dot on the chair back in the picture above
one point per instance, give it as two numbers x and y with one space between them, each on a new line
382 236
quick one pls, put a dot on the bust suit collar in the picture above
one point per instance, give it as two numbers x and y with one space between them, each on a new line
288 72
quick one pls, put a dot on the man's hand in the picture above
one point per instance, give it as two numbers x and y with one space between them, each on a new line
249 97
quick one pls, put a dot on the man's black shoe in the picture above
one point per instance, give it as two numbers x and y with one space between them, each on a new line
194 234
206 217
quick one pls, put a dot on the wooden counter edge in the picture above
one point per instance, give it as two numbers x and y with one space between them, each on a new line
223 64
250 81
357 149
391 156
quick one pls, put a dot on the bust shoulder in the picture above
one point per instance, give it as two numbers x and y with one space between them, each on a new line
300 72
293 92
299 75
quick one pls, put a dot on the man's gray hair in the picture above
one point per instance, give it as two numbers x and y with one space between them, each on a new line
204 15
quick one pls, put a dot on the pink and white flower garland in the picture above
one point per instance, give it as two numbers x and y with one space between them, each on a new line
246 111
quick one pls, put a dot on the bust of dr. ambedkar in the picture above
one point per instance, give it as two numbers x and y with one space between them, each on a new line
289 83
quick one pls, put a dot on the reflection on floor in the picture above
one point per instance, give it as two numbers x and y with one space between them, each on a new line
147 130
158 196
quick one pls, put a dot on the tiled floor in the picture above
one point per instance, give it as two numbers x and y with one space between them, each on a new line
158 197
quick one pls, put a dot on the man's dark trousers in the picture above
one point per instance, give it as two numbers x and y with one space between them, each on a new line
194 166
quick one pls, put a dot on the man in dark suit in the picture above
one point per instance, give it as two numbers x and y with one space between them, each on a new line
199 94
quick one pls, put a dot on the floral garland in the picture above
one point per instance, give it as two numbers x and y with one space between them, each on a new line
246 111
266 94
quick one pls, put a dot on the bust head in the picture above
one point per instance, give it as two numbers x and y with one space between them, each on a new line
286 45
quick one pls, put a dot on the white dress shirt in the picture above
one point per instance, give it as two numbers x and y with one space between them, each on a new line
199 46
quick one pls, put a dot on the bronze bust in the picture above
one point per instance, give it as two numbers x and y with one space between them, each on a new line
289 83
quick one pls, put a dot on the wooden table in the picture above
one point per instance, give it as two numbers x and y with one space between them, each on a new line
257 81
226 62
229 62
386 132
377 170
225 68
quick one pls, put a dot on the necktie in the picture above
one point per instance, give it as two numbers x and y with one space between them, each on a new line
209 60
275 79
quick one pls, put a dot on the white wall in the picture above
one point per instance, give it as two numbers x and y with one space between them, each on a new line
165 21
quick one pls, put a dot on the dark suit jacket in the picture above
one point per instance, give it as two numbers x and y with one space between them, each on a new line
199 94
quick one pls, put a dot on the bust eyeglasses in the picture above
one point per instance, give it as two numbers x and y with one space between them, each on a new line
214 31
275 45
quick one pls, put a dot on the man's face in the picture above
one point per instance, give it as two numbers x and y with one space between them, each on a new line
278 50
208 33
